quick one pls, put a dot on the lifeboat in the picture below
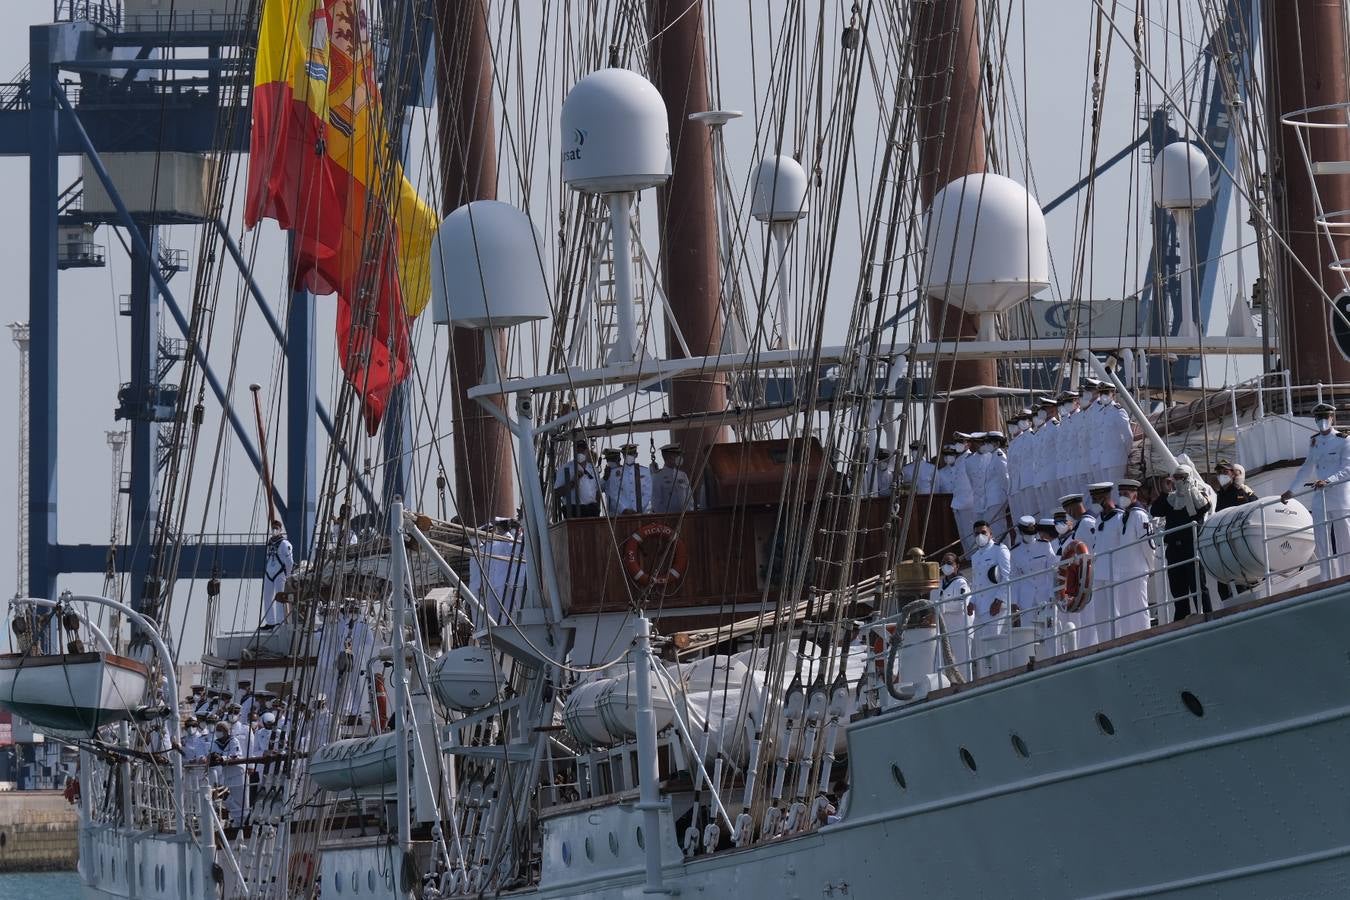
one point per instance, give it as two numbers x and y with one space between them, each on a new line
355 763
75 693
261 643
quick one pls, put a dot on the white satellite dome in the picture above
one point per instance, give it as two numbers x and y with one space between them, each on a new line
780 190
986 249
615 134
1181 177
485 268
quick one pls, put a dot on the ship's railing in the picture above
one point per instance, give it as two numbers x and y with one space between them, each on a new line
1045 630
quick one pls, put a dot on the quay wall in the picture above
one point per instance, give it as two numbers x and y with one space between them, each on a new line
39 831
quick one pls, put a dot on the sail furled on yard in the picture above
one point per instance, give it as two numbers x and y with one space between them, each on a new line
321 164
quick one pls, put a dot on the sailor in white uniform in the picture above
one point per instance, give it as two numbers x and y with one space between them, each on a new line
944 480
576 484
1133 562
630 487
224 748
1101 611
992 498
1019 442
1034 566
1044 459
963 498
671 491
919 472
952 598
1070 471
1112 436
1078 628
1327 467
879 477
279 564
991 569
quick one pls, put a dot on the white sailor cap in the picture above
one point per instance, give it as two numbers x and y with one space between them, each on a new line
269 718
1070 498
1098 486
1045 523
1027 521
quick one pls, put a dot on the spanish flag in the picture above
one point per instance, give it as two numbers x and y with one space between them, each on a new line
320 164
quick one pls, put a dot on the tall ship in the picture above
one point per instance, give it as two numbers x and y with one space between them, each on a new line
728 475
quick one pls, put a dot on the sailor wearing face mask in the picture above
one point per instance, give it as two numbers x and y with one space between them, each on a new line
1101 610
671 492
630 489
995 509
963 497
1327 467
878 477
1045 462
1112 435
944 480
1133 560
991 570
1233 491
1078 628
1070 470
277 567
919 473
1184 504
577 485
952 599
1033 575
1019 443
223 749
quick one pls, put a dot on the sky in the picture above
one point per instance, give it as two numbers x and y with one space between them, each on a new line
1055 69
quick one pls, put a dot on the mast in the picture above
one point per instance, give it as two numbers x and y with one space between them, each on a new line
467 136
688 213
951 144
1306 66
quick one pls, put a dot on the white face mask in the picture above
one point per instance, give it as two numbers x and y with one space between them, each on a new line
1065 409
1225 480
581 458
1087 397
1095 508
1061 528
1104 399
982 540
962 448
1323 425
986 448
1023 424
1040 418
232 718
948 569
630 458
949 459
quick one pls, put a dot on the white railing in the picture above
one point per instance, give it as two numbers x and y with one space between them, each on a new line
996 645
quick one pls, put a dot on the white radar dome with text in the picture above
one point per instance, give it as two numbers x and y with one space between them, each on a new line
615 134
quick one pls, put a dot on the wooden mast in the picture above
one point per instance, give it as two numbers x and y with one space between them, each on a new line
952 144
467 136
688 214
1306 66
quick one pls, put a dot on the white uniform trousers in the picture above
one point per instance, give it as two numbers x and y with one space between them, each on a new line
273 613
958 627
1130 600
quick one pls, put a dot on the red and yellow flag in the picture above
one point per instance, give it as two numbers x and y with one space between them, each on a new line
319 163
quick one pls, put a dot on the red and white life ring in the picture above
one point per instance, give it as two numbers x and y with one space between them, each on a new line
676 560
1075 576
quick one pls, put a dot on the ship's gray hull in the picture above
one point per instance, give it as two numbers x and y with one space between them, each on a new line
1239 792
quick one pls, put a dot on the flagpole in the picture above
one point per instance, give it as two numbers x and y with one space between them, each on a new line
262 453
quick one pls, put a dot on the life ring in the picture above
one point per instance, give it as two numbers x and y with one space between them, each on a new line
634 565
381 702
1075 576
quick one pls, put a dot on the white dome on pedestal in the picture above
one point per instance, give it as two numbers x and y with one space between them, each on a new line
780 190
986 249
486 271
1181 177
615 134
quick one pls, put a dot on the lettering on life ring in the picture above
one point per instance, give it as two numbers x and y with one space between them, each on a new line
672 561
1075 576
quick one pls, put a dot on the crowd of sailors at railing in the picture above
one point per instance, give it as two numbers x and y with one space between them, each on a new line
623 485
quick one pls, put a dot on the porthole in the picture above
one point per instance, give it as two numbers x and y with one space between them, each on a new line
968 759
1105 724
1020 746
113 866
356 884
1193 704
566 854
590 850
140 872
192 881
370 879
337 883
899 777
614 843
642 845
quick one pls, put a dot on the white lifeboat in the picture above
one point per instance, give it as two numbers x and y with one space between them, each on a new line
74 693
355 763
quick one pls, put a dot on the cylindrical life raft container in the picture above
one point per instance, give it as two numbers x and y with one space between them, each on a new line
1230 542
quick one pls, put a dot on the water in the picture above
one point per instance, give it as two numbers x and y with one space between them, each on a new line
29 885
